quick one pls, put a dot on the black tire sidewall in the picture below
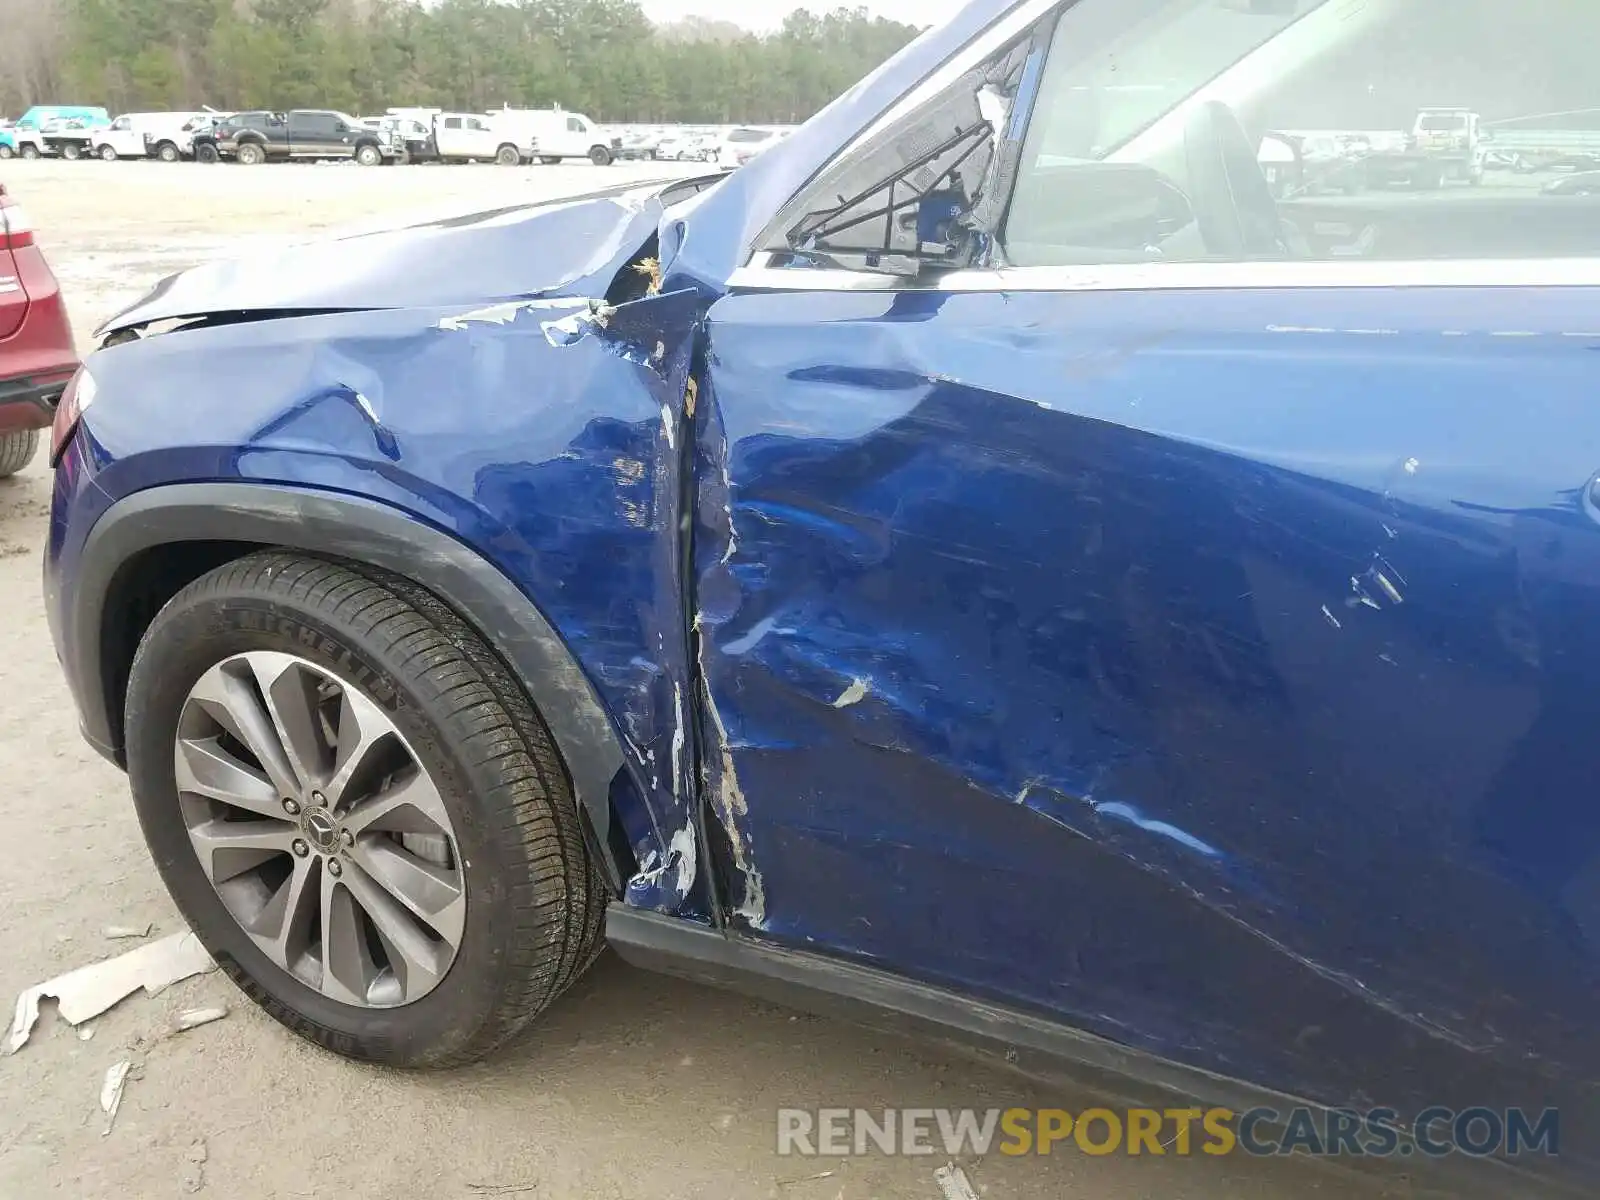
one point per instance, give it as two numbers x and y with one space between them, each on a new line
17 451
180 647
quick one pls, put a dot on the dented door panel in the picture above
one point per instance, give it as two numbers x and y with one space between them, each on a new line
544 433
1209 669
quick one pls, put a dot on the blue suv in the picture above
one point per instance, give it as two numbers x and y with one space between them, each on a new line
992 562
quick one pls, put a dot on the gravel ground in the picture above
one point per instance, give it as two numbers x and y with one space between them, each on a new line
632 1086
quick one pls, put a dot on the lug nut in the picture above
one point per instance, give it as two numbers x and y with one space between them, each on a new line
291 807
335 868
300 848
318 798
348 838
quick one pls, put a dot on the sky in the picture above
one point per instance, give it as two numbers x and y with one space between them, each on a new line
763 15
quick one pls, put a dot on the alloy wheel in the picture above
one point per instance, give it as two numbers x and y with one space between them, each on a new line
321 831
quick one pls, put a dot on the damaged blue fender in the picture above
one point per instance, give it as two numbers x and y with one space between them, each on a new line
544 434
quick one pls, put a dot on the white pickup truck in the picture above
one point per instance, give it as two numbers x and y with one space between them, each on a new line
168 136
474 137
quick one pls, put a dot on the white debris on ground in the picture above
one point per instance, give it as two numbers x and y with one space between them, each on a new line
111 1092
89 991
193 1018
953 1183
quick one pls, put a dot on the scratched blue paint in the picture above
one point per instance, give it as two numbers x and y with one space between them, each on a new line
1173 663
1146 739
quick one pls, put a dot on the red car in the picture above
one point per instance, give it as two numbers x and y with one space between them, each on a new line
37 358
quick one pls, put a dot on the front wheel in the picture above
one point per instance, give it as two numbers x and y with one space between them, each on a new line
369 156
6 152
251 155
167 152
71 152
508 156
108 154
600 156
17 450
357 811
207 153
31 152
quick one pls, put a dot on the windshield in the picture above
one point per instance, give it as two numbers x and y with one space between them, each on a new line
1441 124
749 135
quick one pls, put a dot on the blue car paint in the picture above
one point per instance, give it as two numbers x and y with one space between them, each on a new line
479 425
1119 654
1207 670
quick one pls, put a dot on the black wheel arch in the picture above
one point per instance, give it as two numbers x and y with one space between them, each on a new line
149 546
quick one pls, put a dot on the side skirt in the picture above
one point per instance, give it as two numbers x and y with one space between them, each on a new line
1041 1049
1036 1046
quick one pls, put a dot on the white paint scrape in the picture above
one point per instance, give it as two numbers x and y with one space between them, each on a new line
854 694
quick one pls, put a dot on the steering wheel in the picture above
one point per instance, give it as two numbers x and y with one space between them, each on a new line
1232 202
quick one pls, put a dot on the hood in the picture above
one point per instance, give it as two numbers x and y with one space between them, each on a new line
526 251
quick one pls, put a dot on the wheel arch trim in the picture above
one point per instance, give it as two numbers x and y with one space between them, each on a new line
361 531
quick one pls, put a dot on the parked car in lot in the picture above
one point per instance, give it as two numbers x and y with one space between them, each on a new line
1579 183
555 135
27 137
37 358
1305 164
416 137
987 563
251 138
638 146
689 147
72 138
468 137
743 144
162 135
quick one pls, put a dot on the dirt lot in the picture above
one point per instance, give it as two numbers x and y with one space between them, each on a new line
633 1086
